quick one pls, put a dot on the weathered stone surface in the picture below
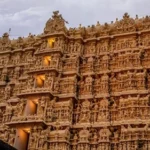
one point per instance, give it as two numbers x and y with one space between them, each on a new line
78 88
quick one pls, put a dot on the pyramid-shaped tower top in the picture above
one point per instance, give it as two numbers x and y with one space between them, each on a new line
56 24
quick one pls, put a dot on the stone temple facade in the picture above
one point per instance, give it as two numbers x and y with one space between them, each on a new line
85 88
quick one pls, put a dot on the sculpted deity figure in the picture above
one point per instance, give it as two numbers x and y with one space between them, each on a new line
95 111
77 113
30 83
4 60
28 57
114 83
140 77
71 47
8 113
42 101
89 64
104 134
85 114
88 84
16 73
4 73
84 117
104 83
16 58
52 102
95 137
11 137
84 135
33 138
48 82
131 81
50 108
92 48
105 62
44 45
56 86
38 61
77 47
6 133
42 140
40 110
20 107
57 43
81 86
75 138
97 85
8 91
62 43
86 105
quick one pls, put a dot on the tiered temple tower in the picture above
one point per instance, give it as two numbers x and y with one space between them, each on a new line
78 88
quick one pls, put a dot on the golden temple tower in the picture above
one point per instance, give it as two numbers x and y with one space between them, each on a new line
84 88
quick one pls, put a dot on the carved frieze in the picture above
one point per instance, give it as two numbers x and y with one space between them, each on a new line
84 88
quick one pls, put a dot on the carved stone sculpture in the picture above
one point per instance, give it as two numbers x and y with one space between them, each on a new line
83 88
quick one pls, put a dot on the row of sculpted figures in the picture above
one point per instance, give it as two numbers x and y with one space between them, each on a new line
85 138
89 49
75 46
104 138
124 108
106 63
94 85
17 111
115 62
91 64
88 66
129 108
108 45
137 80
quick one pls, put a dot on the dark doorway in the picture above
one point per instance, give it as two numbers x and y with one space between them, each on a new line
5 146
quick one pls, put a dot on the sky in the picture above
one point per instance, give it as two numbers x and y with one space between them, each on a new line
30 16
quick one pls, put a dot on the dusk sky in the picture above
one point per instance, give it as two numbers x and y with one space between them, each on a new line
25 16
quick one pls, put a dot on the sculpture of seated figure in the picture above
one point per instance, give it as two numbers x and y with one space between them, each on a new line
88 84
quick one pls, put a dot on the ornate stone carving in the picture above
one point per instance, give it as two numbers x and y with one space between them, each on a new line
90 49
84 135
70 65
8 91
30 41
68 85
85 88
33 139
85 112
55 24
125 25
11 137
91 31
8 113
19 44
42 141
5 42
88 66
102 47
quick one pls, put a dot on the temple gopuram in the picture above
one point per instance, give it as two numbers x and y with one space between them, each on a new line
84 88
